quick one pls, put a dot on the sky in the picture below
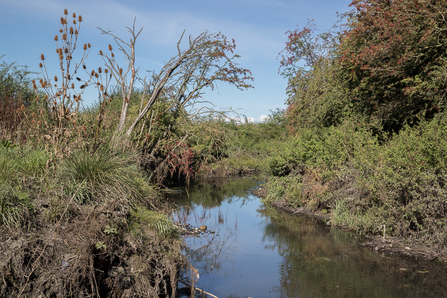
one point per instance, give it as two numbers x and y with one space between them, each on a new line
28 27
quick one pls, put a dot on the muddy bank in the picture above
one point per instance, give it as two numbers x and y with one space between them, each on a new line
399 245
99 252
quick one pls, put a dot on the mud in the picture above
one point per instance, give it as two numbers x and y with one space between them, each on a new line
75 257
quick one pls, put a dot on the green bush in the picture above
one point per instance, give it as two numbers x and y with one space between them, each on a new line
288 188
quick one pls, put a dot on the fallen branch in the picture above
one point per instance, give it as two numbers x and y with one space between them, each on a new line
202 291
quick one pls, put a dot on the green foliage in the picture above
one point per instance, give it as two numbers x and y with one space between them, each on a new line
141 217
288 188
110 230
316 97
101 245
399 182
393 59
20 170
15 206
15 92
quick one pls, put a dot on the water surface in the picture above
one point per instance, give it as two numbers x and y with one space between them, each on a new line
258 251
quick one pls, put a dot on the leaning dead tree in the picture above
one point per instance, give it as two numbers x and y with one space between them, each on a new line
207 58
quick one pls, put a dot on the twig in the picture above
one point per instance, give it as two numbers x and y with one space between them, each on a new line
205 292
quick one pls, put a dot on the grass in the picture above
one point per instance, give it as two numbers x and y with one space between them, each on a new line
106 176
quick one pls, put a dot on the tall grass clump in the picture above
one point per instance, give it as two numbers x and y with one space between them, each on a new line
107 176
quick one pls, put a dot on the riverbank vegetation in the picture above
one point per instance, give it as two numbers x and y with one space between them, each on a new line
362 139
366 121
81 212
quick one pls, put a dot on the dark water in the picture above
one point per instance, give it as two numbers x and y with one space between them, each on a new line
261 252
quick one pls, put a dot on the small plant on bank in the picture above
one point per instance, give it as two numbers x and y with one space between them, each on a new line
101 245
110 230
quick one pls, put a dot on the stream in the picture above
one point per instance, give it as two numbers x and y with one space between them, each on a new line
250 250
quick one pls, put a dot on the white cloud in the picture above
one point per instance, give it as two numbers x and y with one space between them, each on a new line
263 118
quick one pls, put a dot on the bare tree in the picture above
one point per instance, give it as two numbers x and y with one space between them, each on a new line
118 73
208 58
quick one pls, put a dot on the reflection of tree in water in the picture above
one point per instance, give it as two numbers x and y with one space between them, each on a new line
196 207
201 205
212 195
322 262
214 255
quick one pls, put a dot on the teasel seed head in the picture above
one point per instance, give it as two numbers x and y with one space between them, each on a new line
85 47
83 66
74 15
62 21
101 88
96 75
79 18
72 85
56 38
61 30
65 12
22 108
76 32
55 78
74 22
42 57
71 30
113 55
121 71
34 86
106 70
89 46
64 36
92 73
100 52
110 47
38 123
66 50
100 69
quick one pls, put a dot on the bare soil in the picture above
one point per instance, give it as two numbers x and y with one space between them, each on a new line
74 257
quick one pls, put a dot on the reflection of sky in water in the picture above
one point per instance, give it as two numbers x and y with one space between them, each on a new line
236 251
260 252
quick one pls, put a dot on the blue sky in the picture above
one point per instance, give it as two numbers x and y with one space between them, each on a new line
27 29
